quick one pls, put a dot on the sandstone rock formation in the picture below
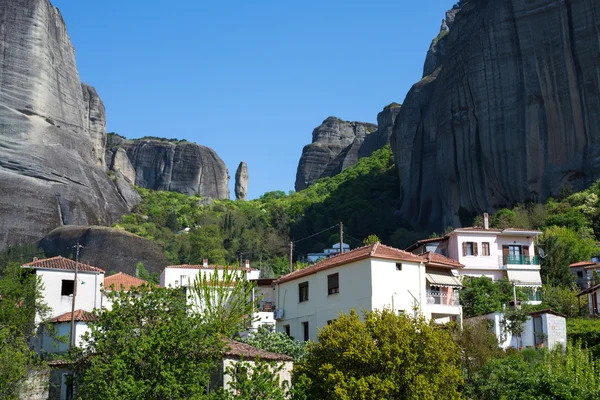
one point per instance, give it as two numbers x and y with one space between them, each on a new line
179 167
51 130
107 248
241 181
509 110
338 145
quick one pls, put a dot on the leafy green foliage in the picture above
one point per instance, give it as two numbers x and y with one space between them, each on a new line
562 299
142 273
585 331
385 357
559 374
478 345
513 321
256 380
148 347
483 296
20 300
224 300
276 342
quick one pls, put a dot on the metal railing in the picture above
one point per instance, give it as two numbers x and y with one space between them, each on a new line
266 306
442 298
519 260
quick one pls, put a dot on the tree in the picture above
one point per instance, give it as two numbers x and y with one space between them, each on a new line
20 301
276 342
483 296
225 300
149 346
513 322
561 299
562 247
385 357
478 345
256 380
142 273
371 239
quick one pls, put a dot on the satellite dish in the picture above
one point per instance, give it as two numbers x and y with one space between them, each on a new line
541 252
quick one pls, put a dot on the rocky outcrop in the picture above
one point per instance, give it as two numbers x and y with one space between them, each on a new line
107 248
241 181
510 112
182 167
50 137
338 145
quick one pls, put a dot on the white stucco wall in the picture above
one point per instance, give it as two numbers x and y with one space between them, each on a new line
63 329
88 290
284 375
186 276
390 286
553 326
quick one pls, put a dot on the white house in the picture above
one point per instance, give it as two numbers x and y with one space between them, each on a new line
593 295
545 328
334 250
57 275
184 275
584 273
495 253
119 281
368 278
265 317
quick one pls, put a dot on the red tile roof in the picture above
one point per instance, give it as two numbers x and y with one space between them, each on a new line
439 259
425 241
235 349
211 267
123 282
61 263
505 230
376 250
582 264
80 316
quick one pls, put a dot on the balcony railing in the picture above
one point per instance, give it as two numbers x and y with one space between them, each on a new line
266 306
442 298
519 260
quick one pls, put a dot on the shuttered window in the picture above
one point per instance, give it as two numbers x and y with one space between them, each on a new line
469 249
333 283
485 249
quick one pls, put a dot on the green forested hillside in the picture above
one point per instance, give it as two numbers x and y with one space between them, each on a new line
364 197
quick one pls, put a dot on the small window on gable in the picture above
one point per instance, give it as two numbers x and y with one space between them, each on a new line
485 249
303 292
398 266
67 287
333 283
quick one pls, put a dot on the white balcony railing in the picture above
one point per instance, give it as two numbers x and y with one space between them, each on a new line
442 298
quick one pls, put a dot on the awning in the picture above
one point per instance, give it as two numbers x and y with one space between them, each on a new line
444 279
525 278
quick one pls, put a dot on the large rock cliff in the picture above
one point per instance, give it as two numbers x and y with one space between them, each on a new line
508 110
183 167
339 144
51 130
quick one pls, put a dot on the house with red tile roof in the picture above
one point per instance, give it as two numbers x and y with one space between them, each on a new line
593 296
368 278
494 253
121 282
584 273
57 275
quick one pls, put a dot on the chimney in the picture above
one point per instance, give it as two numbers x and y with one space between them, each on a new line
486 221
205 262
247 263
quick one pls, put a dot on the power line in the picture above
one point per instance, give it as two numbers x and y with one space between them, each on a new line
313 235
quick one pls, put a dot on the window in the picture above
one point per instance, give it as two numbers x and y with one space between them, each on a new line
401 312
303 292
333 283
183 280
469 249
580 274
485 249
286 329
305 330
67 287
398 266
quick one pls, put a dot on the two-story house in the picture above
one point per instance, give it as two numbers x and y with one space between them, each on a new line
495 253
374 277
57 276
584 273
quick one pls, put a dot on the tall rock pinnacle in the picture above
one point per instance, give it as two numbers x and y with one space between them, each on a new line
241 181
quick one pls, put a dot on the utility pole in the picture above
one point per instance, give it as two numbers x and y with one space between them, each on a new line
341 238
291 255
72 341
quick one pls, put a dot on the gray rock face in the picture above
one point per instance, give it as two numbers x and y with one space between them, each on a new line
338 145
119 161
241 181
183 167
107 248
511 112
50 171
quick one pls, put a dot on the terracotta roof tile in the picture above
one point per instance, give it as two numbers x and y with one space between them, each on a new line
61 263
376 250
80 316
582 264
187 266
439 259
121 281
236 349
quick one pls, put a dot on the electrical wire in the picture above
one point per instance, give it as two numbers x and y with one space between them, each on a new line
313 235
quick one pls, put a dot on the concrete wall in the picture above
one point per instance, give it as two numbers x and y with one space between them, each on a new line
284 375
555 328
88 290
404 289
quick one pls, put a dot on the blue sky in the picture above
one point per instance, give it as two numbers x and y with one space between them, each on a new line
250 79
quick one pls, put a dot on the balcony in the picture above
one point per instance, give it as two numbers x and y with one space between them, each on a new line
519 260
435 297
266 306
